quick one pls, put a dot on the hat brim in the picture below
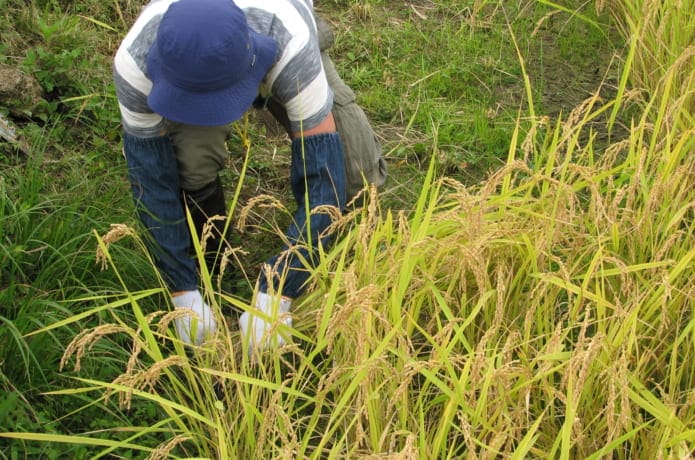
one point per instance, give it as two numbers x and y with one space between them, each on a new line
208 108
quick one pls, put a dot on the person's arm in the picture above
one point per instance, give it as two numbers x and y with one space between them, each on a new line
155 184
325 126
317 178
297 83
154 178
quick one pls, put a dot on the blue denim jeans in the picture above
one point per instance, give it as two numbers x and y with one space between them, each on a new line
317 178
154 178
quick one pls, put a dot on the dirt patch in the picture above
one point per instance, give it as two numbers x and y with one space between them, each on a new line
565 84
566 67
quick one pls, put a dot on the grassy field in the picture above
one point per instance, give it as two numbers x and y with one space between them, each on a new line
522 287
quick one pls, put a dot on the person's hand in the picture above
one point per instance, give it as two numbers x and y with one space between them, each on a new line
199 323
260 327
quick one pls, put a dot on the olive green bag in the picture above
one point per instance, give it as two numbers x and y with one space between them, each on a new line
364 162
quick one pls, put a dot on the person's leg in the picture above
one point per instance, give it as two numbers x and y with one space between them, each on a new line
208 210
201 152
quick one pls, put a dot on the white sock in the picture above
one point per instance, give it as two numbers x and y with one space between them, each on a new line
199 324
255 328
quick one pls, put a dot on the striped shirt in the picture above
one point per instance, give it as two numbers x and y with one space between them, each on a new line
296 79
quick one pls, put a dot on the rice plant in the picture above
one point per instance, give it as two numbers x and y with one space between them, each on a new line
546 312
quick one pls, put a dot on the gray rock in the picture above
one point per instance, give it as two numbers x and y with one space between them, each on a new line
9 133
19 92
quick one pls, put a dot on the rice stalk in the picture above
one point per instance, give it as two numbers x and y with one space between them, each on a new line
544 313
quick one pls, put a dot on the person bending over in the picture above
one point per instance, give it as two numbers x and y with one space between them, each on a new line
184 72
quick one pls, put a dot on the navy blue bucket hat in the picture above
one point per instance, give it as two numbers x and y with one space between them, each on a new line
206 64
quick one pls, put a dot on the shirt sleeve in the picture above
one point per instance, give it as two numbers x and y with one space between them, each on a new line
130 79
297 79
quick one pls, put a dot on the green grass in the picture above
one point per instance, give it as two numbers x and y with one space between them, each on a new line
441 78
521 288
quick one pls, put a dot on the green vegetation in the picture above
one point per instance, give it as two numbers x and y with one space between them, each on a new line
523 287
